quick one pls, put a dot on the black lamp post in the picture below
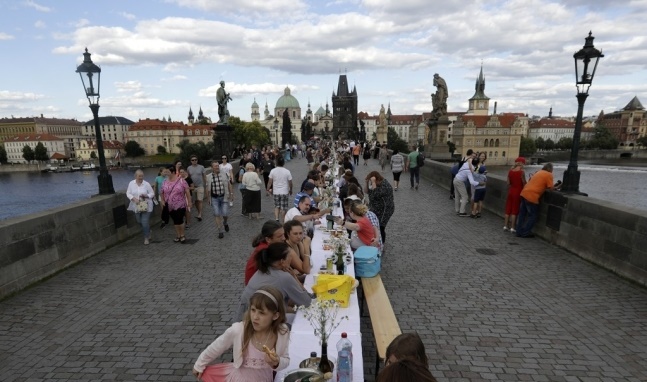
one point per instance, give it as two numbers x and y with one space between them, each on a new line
276 130
89 69
586 62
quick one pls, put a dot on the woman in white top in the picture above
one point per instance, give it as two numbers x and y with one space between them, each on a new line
141 195
252 195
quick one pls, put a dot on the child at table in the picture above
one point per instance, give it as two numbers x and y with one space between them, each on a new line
260 343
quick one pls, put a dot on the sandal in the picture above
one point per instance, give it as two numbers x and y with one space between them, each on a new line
177 240
182 239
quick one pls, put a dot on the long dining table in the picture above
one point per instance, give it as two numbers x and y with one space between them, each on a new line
303 340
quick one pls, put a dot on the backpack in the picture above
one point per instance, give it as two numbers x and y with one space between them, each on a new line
420 161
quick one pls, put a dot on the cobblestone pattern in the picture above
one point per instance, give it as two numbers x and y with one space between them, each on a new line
528 312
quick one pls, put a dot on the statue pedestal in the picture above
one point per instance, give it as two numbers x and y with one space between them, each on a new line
223 139
380 134
438 133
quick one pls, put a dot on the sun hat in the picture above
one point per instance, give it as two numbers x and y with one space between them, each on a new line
520 160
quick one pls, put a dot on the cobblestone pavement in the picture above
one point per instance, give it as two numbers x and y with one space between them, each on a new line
488 306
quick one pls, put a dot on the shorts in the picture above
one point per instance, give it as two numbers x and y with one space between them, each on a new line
396 176
281 202
178 216
198 194
479 194
219 206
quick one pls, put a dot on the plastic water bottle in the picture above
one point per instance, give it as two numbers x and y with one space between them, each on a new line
343 367
344 344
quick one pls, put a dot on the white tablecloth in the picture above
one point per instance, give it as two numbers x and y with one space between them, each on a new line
302 337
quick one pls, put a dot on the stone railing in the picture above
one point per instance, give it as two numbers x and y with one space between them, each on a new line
605 233
38 245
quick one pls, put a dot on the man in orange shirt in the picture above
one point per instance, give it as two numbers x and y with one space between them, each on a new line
530 195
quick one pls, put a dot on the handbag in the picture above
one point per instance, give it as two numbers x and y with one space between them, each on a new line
141 206
334 287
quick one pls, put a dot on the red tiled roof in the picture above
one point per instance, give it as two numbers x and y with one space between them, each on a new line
107 145
552 123
33 137
58 156
480 121
58 121
155 124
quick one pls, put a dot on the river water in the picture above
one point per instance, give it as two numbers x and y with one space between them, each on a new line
621 181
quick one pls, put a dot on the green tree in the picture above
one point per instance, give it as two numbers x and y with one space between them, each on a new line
161 150
394 142
40 153
565 143
3 155
603 139
642 141
200 149
549 145
527 146
28 153
249 133
133 149
451 146
93 155
540 144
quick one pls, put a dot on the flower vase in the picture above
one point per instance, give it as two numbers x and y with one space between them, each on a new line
324 364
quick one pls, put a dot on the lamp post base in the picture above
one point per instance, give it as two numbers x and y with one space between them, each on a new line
105 182
571 182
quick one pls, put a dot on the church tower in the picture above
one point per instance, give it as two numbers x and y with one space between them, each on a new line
191 118
309 113
256 115
266 113
479 104
344 104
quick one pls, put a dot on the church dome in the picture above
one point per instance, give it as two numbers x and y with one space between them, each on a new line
320 111
255 105
287 100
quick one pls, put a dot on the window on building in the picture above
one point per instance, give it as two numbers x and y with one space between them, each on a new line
486 142
490 154
496 143
496 154
503 154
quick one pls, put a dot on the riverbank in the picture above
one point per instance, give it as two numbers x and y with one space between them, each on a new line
146 161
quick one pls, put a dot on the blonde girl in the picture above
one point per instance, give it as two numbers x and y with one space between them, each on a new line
260 343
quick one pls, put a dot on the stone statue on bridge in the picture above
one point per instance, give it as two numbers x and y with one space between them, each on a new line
439 98
222 97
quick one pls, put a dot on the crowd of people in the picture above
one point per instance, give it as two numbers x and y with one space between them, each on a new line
280 258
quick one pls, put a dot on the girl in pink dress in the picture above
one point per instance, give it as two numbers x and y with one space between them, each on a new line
260 343
516 181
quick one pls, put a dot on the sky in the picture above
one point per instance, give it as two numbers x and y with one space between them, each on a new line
160 57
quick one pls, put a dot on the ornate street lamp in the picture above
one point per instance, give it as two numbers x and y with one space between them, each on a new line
586 62
276 130
89 70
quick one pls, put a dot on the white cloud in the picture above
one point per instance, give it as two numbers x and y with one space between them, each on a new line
177 77
249 8
128 86
36 6
40 24
6 95
80 23
253 89
128 16
5 36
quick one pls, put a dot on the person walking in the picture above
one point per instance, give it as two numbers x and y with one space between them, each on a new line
267 165
356 150
280 186
159 182
197 173
141 195
412 167
516 181
175 194
380 195
367 153
383 156
253 184
221 193
541 181
189 181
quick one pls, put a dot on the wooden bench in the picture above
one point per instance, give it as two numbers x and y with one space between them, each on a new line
385 324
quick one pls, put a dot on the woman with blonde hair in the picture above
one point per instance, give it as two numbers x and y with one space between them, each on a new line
363 233
141 194
252 195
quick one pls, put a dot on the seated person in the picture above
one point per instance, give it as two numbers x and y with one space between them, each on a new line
272 264
375 222
406 345
363 232
406 370
271 232
307 190
301 214
299 257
